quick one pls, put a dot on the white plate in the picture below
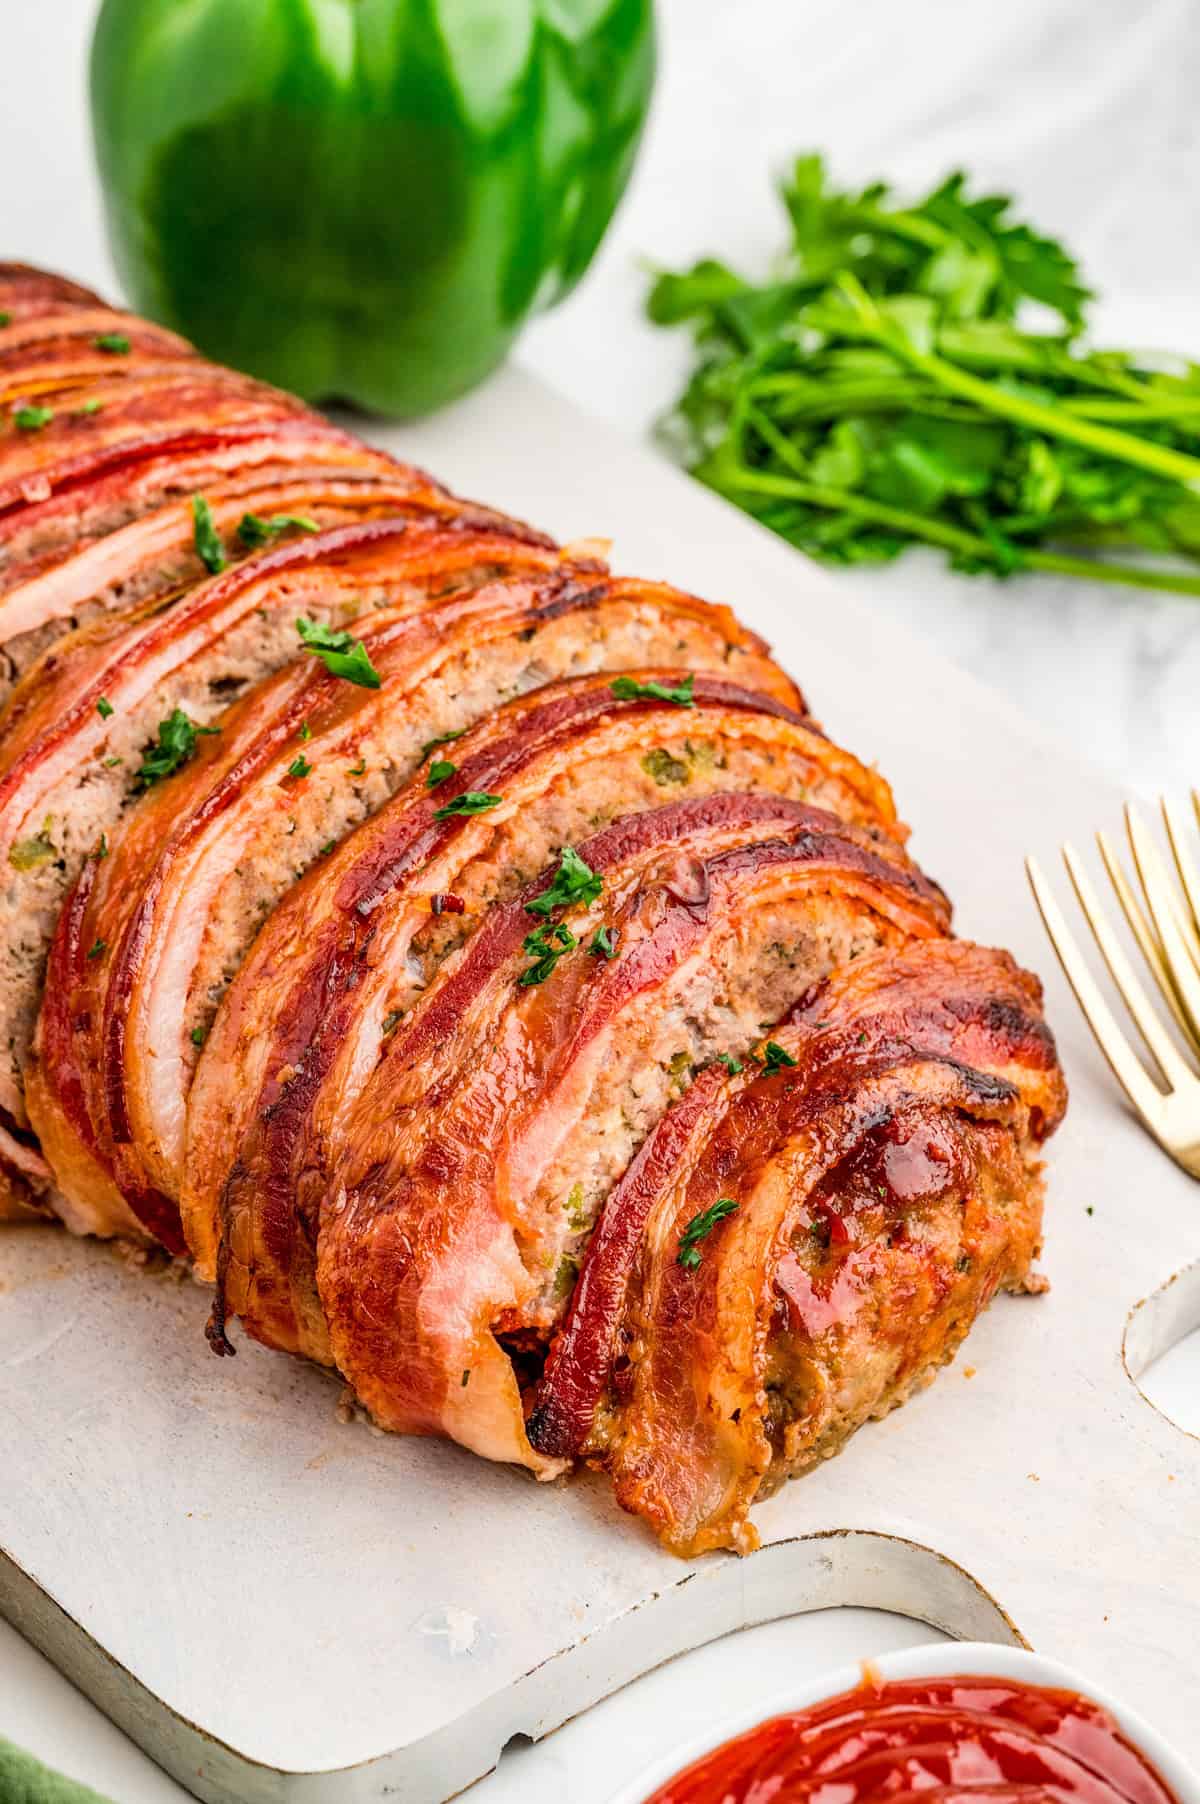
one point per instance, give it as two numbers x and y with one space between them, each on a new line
939 1659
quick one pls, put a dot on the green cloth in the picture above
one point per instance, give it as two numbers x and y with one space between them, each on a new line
24 1780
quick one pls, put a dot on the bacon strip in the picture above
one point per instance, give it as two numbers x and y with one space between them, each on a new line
885 1187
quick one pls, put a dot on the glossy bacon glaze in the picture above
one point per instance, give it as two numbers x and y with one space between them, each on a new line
394 1154
886 1187
239 820
352 946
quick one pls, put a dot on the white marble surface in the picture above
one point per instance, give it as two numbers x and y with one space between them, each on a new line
1087 108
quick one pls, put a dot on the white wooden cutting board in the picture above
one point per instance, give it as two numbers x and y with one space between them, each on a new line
277 1605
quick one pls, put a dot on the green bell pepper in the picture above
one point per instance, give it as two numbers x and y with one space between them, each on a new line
363 200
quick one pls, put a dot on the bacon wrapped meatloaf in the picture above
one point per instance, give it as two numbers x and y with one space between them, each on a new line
482 966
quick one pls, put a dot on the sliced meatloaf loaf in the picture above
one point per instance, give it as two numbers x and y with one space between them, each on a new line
196 871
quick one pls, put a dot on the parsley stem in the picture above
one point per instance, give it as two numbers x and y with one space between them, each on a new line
956 539
1144 454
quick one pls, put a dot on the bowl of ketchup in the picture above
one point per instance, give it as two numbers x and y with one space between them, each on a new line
956 1723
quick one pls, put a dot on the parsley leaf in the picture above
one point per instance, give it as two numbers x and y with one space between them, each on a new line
104 708
254 531
115 342
775 1058
574 881
431 745
198 1036
439 770
732 1065
475 801
545 945
342 655
699 1228
206 538
604 943
97 949
32 419
299 767
177 736
628 689
5 319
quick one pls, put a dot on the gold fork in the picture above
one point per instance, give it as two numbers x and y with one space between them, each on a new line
1167 933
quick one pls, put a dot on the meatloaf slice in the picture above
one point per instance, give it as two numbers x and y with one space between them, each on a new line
52 355
154 558
134 417
795 1250
469 1171
199 866
103 496
350 948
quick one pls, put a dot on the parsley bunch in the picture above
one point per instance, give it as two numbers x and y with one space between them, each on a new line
915 375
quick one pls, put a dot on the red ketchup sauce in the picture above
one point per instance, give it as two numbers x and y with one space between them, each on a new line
933 1740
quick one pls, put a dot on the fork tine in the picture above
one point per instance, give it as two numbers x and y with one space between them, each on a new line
1142 931
1189 877
1156 886
1151 1028
1127 1068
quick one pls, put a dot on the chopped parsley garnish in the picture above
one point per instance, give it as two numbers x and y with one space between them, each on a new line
604 943
89 407
574 881
206 538
474 801
699 1228
254 531
111 763
177 736
359 769
326 849
98 948
545 945
732 1065
305 731
5 319
431 745
628 689
439 770
102 848
342 655
104 708
114 342
199 1035
32 419
299 767
775 1058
